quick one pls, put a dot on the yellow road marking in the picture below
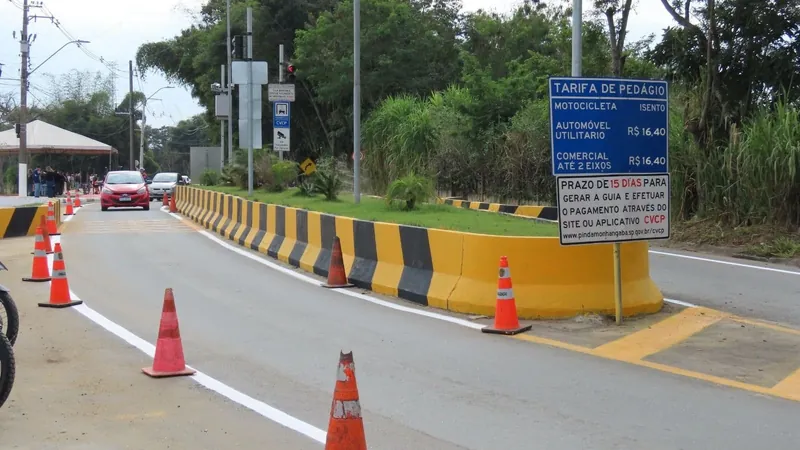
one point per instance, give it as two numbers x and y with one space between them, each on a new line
661 335
789 386
759 323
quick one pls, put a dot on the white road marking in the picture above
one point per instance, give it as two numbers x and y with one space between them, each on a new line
200 378
679 302
727 263
310 280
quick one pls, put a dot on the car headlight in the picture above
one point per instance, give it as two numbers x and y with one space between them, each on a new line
142 190
107 191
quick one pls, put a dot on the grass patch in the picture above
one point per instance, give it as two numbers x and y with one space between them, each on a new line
428 215
766 241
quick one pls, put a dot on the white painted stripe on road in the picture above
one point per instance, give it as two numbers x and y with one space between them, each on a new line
206 381
727 263
202 379
681 303
358 295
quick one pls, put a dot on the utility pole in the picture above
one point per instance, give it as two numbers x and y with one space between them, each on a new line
280 80
24 47
230 82
222 122
357 101
141 137
130 112
250 103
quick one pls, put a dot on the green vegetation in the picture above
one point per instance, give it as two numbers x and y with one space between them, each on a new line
410 190
460 99
429 216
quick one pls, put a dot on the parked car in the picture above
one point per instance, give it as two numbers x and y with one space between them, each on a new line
125 189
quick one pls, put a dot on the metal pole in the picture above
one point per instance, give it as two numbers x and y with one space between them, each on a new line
250 103
280 80
130 114
577 37
357 101
222 123
230 78
141 138
22 164
281 61
617 283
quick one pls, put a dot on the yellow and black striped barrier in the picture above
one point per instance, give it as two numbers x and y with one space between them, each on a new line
23 220
537 212
439 268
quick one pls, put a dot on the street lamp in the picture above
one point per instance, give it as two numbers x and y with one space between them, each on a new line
144 122
77 41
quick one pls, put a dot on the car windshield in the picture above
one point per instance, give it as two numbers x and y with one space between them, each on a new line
165 178
124 178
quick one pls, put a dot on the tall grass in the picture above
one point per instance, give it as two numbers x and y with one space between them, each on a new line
751 176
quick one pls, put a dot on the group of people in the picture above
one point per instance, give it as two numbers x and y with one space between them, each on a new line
52 183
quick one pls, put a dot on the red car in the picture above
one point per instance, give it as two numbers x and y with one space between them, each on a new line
124 189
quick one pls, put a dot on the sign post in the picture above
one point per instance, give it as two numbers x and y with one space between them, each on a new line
280 127
609 139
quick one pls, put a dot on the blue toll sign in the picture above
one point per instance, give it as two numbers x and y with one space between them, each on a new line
606 126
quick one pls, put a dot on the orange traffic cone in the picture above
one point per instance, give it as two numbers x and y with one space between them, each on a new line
337 278
40 270
59 287
77 199
52 228
69 211
346 428
505 318
47 244
168 361
173 208
165 199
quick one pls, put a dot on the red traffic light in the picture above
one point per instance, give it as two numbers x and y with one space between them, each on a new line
290 68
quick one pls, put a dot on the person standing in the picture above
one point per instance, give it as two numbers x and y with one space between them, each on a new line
37 182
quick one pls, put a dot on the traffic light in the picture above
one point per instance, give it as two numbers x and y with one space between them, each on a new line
291 72
237 52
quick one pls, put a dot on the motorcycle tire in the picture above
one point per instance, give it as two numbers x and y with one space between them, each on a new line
7 368
10 329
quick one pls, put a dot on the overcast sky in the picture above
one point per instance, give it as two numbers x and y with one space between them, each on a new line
115 33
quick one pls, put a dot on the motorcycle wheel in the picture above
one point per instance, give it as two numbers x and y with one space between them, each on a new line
7 368
11 326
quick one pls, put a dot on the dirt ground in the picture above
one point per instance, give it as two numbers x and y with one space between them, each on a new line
78 387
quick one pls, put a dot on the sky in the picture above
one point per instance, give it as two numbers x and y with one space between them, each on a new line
115 33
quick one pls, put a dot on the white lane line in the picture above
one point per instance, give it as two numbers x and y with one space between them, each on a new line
206 381
200 378
727 263
358 295
679 302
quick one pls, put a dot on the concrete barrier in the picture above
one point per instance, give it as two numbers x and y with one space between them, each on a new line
536 212
439 268
23 220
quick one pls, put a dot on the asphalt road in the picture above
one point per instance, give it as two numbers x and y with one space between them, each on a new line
423 383
739 287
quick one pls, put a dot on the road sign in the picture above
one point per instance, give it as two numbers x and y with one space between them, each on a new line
308 167
280 92
280 139
617 208
280 114
239 72
608 126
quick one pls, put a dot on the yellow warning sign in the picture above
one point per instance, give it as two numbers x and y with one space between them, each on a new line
308 167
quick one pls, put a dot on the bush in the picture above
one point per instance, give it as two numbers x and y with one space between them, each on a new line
306 186
209 178
327 183
410 190
283 173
